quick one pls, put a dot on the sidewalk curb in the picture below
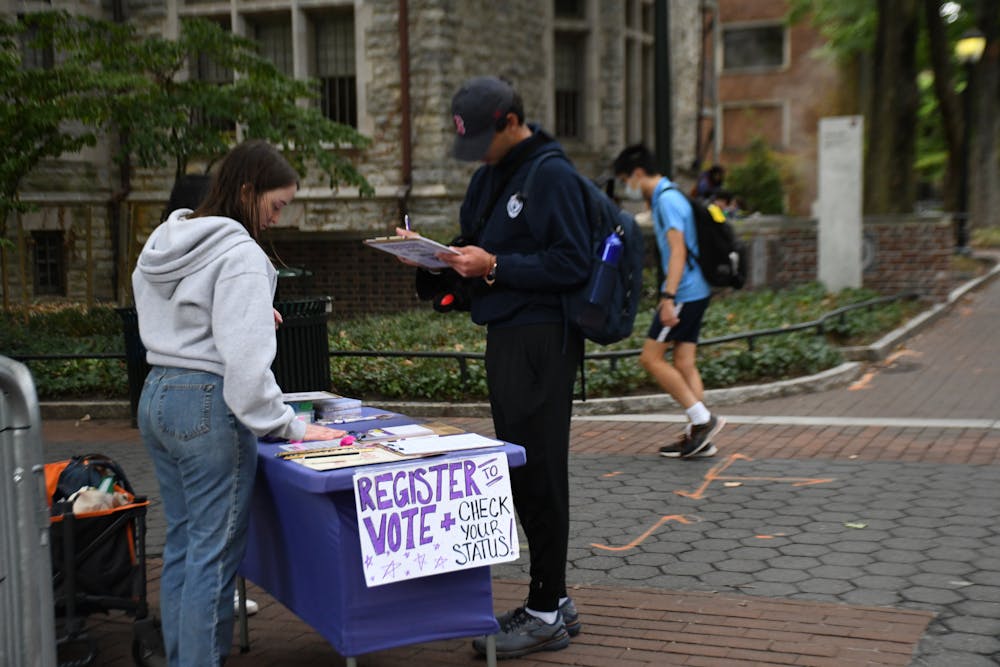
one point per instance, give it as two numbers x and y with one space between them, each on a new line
884 346
828 379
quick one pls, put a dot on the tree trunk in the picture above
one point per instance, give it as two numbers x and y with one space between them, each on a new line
890 181
984 156
949 103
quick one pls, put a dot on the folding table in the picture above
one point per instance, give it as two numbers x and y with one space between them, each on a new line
304 550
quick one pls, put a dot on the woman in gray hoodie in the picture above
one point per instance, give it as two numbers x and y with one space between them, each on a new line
203 291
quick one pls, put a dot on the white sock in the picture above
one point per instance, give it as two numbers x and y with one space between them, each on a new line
548 616
562 601
698 414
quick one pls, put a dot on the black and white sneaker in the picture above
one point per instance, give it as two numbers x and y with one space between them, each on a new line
701 437
674 450
523 633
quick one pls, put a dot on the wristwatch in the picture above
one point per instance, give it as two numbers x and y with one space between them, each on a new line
491 275
668 295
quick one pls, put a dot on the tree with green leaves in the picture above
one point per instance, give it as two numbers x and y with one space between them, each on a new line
175 117
105 77
890 46
758 180
48 108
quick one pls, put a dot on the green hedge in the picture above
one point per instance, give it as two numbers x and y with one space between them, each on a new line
73 329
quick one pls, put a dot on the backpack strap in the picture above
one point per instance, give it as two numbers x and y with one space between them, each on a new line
524 196
690 253
499 187
529 180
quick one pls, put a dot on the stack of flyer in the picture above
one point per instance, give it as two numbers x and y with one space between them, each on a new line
323 405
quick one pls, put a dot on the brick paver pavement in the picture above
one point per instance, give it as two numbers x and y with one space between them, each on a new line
834 541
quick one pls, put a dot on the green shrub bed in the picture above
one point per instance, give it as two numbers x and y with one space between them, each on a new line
73 329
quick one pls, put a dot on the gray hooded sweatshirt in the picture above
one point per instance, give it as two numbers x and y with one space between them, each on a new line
203 291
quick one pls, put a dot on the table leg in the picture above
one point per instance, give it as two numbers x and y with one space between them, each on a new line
241 586
491 651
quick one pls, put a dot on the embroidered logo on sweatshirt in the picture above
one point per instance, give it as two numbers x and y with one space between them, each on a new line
514 206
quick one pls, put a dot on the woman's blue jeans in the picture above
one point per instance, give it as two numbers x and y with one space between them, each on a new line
205 462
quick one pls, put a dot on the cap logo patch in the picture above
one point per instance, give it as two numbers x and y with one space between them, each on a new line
459 125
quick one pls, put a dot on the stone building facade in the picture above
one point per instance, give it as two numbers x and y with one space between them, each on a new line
583 67
585 70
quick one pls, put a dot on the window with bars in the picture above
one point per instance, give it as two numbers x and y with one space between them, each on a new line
569 60
32 55
569 9
209 71
275 40
336 69
639 71
753 47
49 263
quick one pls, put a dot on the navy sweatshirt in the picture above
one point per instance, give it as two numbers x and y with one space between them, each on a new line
541 240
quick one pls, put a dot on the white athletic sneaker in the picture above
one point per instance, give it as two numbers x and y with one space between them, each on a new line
252 607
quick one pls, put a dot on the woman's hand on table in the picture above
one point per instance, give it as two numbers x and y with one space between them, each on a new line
317 432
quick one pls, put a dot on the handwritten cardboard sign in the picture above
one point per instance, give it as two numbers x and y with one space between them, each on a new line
434 517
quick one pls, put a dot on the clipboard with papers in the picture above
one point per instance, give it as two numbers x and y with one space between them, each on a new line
416 249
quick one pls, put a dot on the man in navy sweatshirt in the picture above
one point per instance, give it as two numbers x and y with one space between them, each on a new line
524 256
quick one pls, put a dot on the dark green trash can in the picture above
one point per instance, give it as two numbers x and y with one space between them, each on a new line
302 362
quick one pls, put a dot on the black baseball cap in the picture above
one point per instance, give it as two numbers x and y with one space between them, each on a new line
476 109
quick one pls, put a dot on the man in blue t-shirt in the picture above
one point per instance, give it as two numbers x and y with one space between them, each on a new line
684 297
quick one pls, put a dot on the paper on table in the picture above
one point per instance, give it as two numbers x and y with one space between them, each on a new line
442 443
361 457
417 249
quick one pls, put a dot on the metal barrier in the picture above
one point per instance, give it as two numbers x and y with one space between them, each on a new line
27 613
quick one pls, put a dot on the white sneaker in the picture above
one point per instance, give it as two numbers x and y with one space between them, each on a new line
252 607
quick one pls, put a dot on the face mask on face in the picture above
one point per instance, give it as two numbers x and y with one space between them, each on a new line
632 193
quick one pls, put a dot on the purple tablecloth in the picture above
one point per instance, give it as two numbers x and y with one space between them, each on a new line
304 550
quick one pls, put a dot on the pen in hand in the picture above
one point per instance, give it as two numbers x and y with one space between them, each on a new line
406 221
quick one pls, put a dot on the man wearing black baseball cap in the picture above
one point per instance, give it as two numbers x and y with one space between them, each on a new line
523 254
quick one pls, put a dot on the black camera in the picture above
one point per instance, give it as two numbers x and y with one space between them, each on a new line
446 289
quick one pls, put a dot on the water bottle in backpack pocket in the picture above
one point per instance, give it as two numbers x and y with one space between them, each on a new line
595 310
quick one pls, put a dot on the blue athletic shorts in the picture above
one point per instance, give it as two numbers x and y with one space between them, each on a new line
685 331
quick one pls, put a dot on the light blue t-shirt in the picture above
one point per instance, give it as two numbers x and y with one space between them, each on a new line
671 210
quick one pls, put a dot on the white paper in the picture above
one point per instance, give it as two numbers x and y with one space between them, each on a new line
417 249
442 443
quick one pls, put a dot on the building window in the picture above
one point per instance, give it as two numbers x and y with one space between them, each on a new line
33 55
569 9
49 263
336 69
209 71
639 72
275 40
753 47
569 74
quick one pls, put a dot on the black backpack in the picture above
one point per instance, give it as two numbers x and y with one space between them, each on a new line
604 308
722 256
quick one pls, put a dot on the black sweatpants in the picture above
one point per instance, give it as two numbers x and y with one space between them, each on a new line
530 371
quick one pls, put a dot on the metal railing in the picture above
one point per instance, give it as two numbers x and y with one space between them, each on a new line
613 356
463 358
